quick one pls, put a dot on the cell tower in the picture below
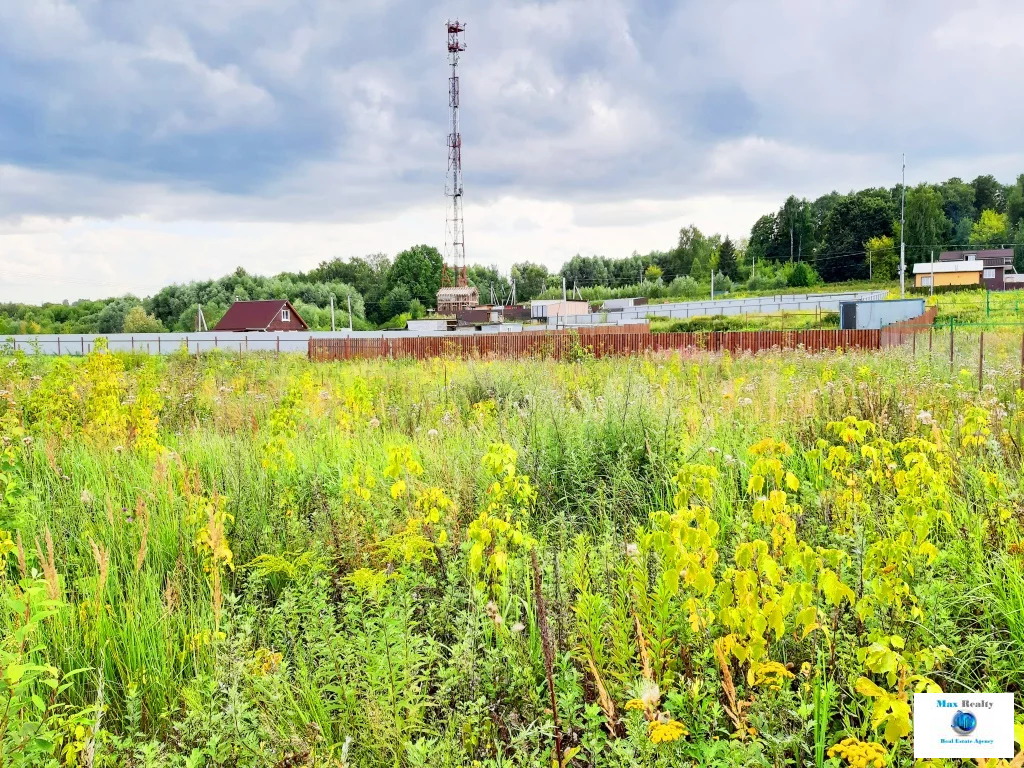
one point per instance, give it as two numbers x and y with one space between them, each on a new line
455 244
456 294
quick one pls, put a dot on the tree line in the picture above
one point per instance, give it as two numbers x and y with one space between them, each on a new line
835 238
856 236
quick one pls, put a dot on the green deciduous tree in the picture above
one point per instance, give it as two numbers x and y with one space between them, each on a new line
1018 247
957 201
702 259
794 227
137 321
418 269
883 260
397 301
111 317
1015 202
988 194
692 245
800 276
764 243
531 279
485 278
991 229
852 221
361 273
927 225
653 273
585 271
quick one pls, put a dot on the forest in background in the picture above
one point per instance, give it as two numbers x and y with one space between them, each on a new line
835 238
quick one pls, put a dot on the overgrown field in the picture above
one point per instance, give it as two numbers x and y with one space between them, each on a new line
659 561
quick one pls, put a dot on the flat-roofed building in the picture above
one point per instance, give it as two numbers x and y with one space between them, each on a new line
944 273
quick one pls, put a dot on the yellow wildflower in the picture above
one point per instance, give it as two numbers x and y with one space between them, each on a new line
859 754
664 732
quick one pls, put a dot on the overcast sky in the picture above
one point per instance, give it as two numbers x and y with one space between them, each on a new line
144 142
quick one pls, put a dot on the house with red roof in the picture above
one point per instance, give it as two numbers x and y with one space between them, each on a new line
274 315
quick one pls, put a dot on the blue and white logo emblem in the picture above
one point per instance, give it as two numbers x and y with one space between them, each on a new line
964 723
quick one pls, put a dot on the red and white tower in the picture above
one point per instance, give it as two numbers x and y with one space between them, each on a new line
455 244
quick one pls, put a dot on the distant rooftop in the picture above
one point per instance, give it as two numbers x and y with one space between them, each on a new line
925 268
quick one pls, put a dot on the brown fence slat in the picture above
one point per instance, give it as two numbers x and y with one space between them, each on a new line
624 340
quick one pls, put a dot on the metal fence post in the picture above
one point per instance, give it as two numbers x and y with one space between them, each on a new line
951 343
981 357
1022 361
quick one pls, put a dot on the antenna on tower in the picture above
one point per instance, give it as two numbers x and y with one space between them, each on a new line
456 294
455 245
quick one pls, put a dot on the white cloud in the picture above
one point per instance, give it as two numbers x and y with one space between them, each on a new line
46 259
152 141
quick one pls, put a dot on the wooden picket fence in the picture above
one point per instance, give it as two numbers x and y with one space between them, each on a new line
903 332
561 345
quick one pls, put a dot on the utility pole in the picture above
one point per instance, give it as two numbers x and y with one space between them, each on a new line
563 289
903 227
350 313
712 285
332 311
931 287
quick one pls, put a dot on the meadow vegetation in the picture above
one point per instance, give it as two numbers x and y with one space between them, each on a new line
662 561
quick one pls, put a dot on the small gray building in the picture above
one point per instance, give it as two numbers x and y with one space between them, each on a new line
872 315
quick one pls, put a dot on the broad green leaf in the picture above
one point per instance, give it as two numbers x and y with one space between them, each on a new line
867 688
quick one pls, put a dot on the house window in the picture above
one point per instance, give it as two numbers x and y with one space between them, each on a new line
926 281
286 315
970 256
990 274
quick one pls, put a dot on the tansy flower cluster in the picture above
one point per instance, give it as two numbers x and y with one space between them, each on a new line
664 732
859 754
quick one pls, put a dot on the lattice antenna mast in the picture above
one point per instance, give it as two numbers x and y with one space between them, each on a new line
455 245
